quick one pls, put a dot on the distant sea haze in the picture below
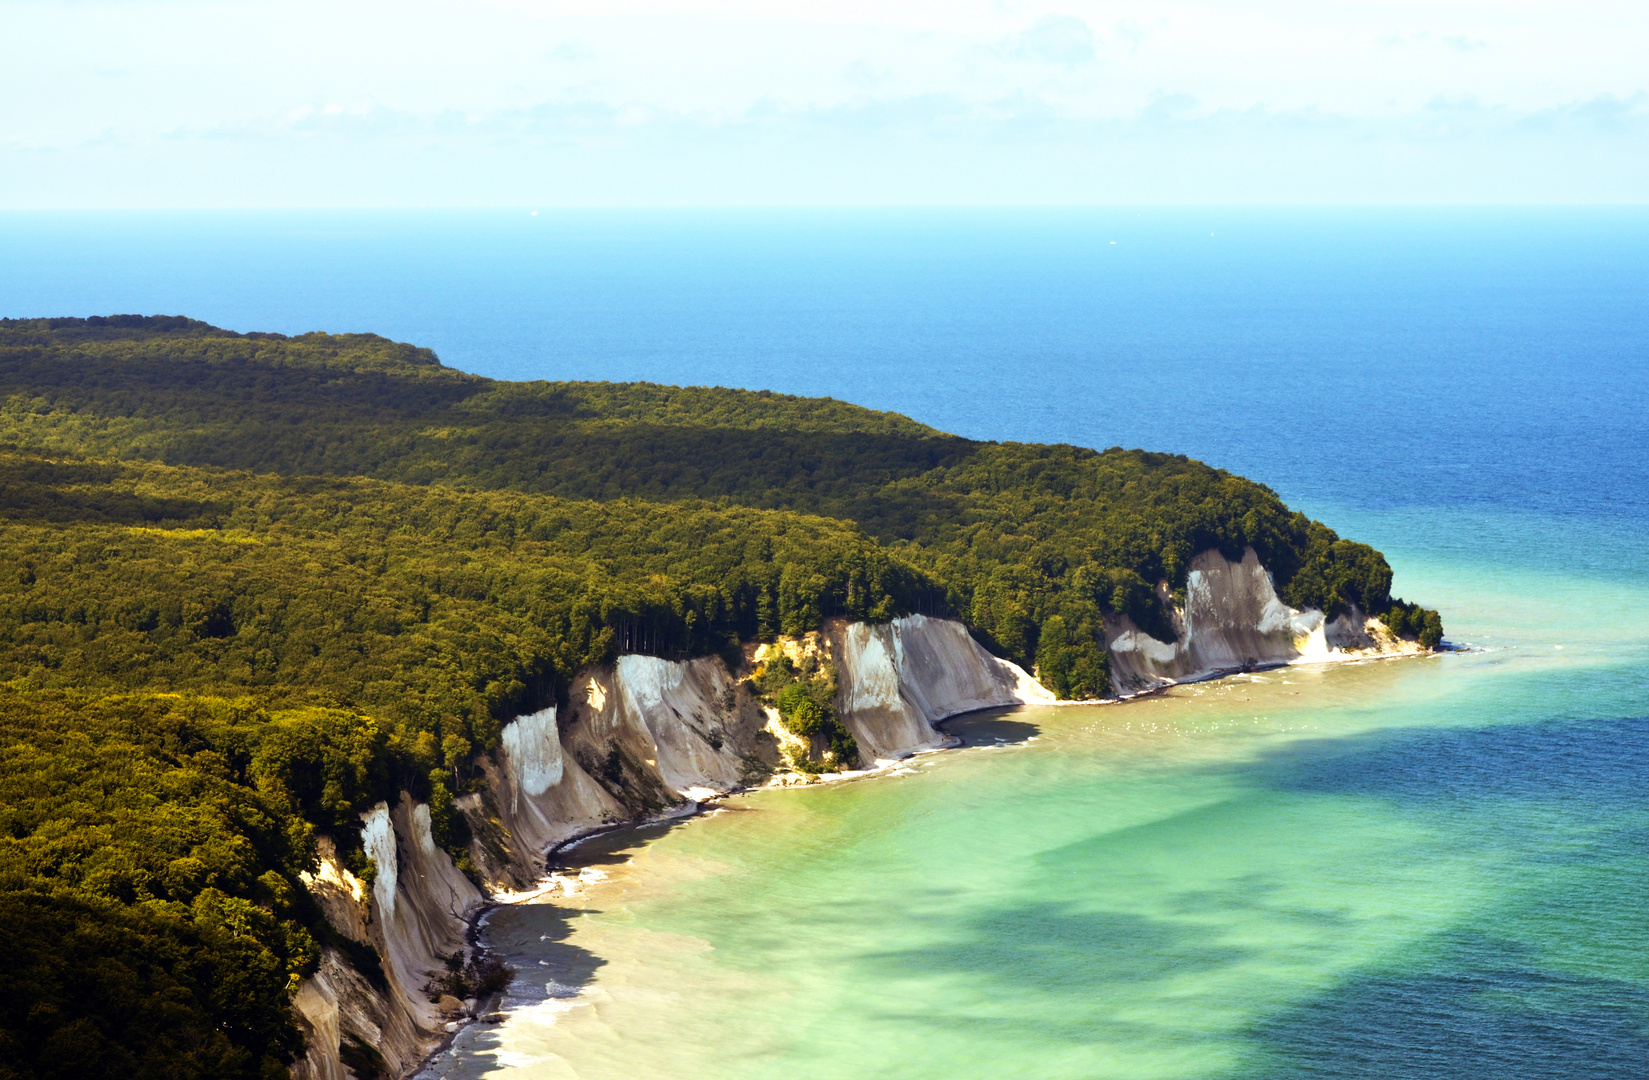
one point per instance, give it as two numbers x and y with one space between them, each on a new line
1429 868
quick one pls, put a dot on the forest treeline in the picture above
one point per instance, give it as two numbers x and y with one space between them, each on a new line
281 578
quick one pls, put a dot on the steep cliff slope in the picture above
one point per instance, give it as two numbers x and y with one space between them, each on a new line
413 916
1232 620
900 678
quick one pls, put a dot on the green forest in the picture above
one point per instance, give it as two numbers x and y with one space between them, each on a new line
252 584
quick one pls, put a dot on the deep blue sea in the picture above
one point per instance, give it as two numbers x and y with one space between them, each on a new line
1436 868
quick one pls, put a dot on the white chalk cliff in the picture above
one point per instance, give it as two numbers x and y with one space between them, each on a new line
647 734
644 735
1233 620
896 680
413 916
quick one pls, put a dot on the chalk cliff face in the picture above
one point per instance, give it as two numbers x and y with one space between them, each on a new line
339 1006
413 916
536 797
421 905
638 737
1233 620
681 730
896 680
645 735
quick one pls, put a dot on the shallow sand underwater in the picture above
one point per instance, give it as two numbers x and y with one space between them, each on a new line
1405 868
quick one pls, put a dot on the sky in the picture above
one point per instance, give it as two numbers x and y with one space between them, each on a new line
362 103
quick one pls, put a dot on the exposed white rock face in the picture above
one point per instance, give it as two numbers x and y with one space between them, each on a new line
337 1002
378 837
413 914
675 707
535 797
896 680
343 898
532 746
657 733
316 1004
647 734
1233 620
666 731
425 921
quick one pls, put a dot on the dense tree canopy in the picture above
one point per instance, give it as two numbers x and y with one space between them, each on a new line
149 853
1012 535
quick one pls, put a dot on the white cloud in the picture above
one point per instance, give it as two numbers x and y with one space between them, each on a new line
669 101
1056 39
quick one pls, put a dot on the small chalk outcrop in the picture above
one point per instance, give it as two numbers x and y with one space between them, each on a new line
898 679
638 737
1233 620
536 796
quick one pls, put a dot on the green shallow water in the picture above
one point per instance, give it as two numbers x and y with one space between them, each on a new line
1412 868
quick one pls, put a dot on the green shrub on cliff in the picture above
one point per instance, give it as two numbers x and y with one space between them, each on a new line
1336 574
1072 665
804 695
1414 622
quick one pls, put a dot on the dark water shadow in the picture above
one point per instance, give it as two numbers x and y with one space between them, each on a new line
1462 1005
1480 1009
986 729
570 967
611 847
1470 1003
1027 952
545 966
1602 762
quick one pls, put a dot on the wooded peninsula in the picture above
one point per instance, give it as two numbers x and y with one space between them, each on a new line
251 585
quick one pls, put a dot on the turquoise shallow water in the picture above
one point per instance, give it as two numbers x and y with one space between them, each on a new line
1415 868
